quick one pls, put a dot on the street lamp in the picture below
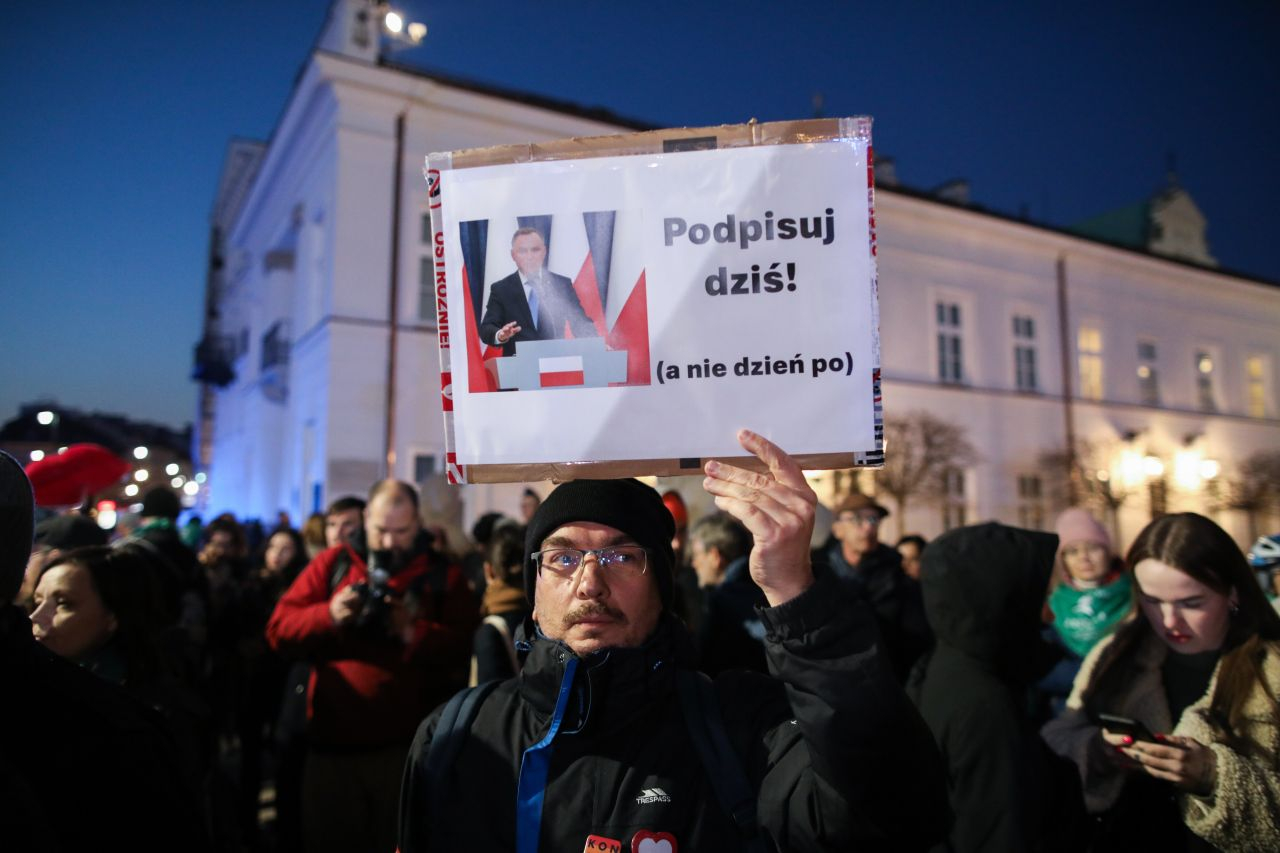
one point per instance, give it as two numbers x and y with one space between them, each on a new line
49 418
399 32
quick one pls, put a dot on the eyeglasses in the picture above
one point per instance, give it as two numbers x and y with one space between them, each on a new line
621 560
871 518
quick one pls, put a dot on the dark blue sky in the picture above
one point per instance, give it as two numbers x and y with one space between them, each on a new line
114 119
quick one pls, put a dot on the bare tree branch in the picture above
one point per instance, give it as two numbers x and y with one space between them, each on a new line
919 449
1255 488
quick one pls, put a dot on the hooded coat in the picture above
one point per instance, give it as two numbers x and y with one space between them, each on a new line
984 587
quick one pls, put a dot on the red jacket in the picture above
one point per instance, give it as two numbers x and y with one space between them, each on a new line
369 689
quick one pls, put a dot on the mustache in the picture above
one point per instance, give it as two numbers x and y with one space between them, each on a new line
586 611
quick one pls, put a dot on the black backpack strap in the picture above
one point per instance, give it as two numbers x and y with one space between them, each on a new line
341 565
701 709
435 763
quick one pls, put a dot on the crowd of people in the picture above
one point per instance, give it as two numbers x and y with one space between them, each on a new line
331 687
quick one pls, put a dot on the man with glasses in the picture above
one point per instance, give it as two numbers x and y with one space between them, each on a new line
594 745
873 572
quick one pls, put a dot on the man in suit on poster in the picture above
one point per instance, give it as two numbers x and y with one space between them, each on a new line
532 303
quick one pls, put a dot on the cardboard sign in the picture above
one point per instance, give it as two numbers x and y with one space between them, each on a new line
620 306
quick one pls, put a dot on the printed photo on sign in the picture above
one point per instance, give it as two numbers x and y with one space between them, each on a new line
552 303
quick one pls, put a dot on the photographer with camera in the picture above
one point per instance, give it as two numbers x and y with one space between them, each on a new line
386 624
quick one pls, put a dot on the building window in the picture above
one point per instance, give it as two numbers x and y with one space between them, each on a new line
1204 382
1030 502
1024 353
1089 345
950 364
954 511
1255 386
1148 376
275 346
426 229
424 467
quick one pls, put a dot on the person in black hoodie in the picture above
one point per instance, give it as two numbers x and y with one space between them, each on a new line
984 587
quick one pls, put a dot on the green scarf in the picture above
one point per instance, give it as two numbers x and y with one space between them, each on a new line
1082 617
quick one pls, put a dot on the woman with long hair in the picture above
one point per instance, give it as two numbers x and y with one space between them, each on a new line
1196 672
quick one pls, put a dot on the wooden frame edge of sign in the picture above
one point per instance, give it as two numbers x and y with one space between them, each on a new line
561 472
659 141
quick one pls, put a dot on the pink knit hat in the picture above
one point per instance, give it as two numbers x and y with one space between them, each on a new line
1077 525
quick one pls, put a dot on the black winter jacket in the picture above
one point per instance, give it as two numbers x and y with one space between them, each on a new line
983 590
840 758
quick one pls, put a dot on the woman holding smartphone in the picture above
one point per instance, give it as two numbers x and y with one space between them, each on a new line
1199 666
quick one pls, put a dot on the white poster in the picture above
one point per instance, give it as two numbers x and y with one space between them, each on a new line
645 307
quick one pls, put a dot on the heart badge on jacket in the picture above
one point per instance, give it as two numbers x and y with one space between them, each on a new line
645 841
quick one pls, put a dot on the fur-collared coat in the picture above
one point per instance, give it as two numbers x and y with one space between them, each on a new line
1241 813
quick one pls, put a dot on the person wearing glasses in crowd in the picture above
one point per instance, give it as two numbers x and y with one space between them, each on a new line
589 748
873 572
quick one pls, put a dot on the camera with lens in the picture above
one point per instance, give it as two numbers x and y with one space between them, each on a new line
374 592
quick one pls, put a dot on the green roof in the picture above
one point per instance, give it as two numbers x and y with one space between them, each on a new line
1126 226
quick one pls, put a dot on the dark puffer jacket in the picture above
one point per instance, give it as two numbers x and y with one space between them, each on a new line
839 757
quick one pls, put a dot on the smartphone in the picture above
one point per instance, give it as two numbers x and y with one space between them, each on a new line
1126 726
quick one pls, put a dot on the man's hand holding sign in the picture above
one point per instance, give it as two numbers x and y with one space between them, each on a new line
778 509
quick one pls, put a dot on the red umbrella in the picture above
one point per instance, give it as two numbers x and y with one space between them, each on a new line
67 478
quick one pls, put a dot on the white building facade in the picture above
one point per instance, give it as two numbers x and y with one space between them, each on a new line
1162 371
322 306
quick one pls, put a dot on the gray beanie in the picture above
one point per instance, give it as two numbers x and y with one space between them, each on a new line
628 505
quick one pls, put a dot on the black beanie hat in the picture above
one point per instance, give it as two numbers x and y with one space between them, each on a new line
161 502
628 505
66 532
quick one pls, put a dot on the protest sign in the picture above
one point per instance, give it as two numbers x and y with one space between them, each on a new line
620 306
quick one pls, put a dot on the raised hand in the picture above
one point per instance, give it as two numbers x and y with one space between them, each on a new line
778 509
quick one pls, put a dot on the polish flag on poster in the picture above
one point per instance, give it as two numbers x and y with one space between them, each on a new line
599 253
